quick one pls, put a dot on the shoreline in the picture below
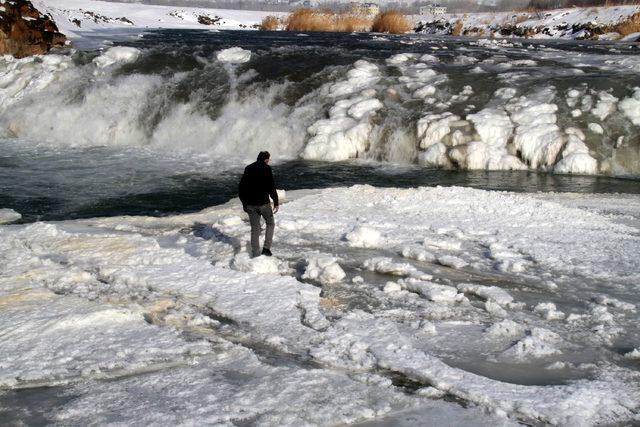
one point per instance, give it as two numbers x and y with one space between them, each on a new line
614 23
75 19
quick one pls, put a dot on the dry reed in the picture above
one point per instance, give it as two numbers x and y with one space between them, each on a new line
457 28
350 23
391 22
270 23
326 20
630 26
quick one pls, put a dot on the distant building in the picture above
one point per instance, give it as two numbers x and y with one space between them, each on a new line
303 3
365 8
371 9
433 9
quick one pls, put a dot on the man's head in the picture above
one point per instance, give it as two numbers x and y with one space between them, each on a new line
264 157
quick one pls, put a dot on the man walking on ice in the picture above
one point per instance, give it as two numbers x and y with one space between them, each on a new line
255 188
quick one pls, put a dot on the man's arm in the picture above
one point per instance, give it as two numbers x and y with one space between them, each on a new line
242 189
273 192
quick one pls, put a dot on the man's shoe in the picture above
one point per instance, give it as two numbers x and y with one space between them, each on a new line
266 252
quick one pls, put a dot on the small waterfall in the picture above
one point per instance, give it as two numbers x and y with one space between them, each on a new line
475 109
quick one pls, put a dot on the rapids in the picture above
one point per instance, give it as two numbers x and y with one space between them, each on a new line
569 107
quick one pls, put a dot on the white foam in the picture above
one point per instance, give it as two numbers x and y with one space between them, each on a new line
432 128
478 155
614 302
537 136
538 344
631 107
400 58
493 125
605 106
430 290
418 253
23 77
435 155
391 287
117 55
8 215
575 156
596 128
505 328
345 134
386 265
364 237
548 311
429 58
234 55
451 261
505 93
494 293
259 265
323 268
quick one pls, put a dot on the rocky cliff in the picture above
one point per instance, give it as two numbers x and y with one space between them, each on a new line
25 31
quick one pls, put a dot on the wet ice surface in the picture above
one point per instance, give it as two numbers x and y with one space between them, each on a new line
381 305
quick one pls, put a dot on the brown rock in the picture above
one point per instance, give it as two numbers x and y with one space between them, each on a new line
25 31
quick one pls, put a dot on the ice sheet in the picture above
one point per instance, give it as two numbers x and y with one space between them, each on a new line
128 281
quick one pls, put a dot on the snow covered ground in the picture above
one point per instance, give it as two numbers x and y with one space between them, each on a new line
597 23
76 16
466 306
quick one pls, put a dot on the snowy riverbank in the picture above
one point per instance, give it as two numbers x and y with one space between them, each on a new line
600 23
523 306
77 16
593 23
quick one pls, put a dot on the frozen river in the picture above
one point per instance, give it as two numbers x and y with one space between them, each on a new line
460 240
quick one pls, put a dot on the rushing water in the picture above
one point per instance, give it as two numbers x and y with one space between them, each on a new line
45 184
169 129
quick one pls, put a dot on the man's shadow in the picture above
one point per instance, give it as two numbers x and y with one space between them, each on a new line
207 232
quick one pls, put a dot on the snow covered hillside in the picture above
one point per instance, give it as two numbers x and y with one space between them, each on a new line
74 16
461 305
604 23
599 23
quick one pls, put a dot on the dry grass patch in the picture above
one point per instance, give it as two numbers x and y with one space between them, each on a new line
457 28
270 23
391 22
630 26
315 20
350 23
331 303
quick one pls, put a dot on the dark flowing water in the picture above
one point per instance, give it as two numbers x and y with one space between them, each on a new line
83 183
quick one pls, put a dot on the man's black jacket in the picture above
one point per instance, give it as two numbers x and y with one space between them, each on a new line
257 185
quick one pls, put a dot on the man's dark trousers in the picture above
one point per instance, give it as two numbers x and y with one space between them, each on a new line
255 212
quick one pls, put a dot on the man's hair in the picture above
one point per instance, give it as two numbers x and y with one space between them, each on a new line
264 155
